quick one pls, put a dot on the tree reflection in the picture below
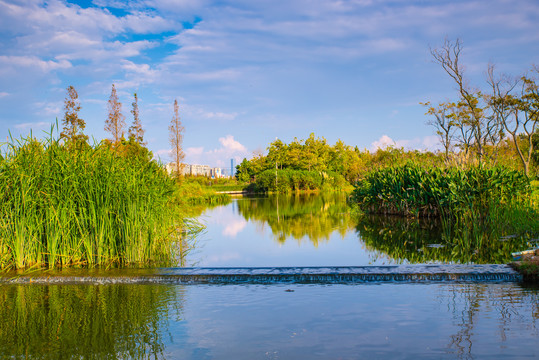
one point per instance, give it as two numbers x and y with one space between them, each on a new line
300 216
84 321
466 301
422 241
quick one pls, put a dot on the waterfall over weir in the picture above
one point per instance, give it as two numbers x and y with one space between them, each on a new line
273 275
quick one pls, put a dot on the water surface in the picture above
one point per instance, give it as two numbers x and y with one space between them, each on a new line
318 230
376 321
404 320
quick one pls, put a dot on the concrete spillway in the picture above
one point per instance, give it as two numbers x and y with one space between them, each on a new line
272 275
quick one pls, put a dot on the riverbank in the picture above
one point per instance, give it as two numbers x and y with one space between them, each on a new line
528 267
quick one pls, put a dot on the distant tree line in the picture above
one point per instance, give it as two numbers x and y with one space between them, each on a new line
316 155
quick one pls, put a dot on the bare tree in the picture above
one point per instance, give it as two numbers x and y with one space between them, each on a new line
115 123
484 128
73 124
176 140
135 130
517 112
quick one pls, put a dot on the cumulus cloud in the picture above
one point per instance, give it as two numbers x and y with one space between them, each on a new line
232 229
430 143
34 62
220 157
194 151
382 143
229 144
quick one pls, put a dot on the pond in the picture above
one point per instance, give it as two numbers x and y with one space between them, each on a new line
318 230
372 320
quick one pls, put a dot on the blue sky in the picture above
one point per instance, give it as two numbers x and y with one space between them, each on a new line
245 72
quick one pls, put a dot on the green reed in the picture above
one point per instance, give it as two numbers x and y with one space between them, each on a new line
415 190
86 205
477 205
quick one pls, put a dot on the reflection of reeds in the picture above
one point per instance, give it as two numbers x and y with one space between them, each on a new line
91 205
427 240
477 207
84 321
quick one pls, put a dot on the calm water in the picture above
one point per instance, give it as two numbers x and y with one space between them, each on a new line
374 321
284 321
318 230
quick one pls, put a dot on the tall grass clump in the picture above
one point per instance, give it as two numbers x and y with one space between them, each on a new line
415 190
476 205
64 205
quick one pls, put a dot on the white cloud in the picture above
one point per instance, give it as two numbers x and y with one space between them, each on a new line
34 62
49 108
3 94
230 149
382 143
430 143
232 229
197 112
229 144
194 151
33 125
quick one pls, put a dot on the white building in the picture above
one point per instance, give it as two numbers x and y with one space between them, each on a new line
197 170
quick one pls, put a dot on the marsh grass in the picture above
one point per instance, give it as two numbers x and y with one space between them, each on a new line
477 206
86 205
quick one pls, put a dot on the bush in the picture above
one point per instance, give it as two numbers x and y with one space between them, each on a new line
288 180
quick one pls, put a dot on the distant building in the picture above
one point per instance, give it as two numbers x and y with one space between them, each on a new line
232 168
171 168
197 170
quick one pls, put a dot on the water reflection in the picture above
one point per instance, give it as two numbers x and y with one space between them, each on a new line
381 321
85 321
423 241
300 216
467 303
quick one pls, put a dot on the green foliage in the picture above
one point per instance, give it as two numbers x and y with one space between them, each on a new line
311 217
316 155
417 240
283 181
416 190
97 205
194 190
85 321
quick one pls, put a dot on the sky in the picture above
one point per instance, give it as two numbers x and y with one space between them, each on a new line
247 72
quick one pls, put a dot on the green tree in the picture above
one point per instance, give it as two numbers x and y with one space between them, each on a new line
73 125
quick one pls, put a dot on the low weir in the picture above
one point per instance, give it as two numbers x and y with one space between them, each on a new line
272 275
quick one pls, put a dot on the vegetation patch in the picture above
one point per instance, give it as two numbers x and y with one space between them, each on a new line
415 190
65 205
528 267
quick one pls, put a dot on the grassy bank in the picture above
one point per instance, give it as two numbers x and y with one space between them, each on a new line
91 205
